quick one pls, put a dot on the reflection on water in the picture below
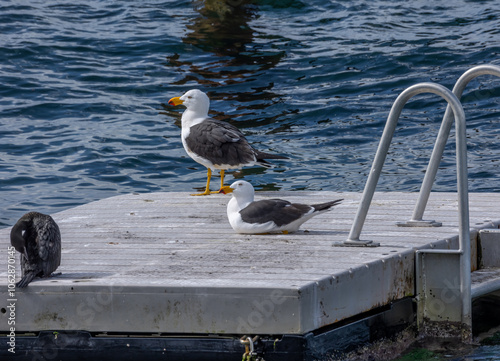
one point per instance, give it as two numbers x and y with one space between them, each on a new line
222 28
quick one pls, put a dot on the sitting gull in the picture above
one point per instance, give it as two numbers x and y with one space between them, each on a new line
269 215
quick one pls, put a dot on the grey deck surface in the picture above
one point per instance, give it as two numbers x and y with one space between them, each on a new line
170 263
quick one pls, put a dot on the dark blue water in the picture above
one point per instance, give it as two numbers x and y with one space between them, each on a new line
84 87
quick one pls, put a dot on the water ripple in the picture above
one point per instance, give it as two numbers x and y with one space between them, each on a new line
83 91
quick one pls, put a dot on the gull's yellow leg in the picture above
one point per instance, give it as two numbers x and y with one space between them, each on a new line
207 189
221 172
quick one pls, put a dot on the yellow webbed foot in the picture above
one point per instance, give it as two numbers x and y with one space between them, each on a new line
207 188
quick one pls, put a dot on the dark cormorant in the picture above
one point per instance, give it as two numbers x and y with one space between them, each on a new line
37 237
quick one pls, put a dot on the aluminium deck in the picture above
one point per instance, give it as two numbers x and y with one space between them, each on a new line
170 263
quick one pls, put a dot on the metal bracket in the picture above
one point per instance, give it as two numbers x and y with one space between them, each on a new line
421 223
438 290
350 243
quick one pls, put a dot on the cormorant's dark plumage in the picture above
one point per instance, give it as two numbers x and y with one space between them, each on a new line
37 237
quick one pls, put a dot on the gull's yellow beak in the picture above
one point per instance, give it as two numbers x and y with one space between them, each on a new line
175 101
226 190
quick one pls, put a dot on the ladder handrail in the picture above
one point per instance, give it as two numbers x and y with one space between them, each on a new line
462 184
383 148
444 132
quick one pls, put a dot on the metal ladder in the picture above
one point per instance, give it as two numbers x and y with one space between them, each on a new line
457 293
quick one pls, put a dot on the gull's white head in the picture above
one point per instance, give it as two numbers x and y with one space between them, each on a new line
243 188
240 189
194 100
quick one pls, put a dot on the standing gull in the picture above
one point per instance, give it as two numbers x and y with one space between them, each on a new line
37 237
270 215
214 143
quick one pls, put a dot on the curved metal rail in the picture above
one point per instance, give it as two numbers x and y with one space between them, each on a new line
464 251
437 153
378 162
455 111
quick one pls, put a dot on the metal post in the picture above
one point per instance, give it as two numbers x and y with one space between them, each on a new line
463 217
